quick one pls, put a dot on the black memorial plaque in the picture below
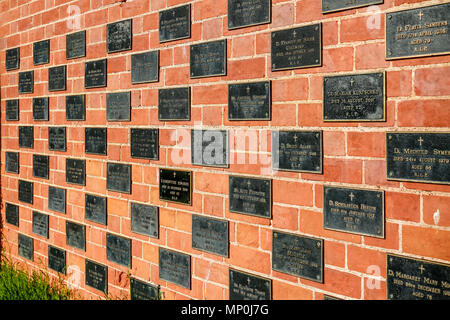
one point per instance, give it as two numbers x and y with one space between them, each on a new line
118 177
244 13
245 286
174 104
76 108
209 148
76 45
41 52
95 141
76 171
41 166
118 249
118 106
297 151
338 5
418 156
250 196
96 276
210 235
12 59
175 23
144 143
76 235
145 67
414 279
26 247
12 214
249 101
140 290
40 224
418 32
208 59
40 109
26 137
175 267
356 97
57 199
354 210
119 36
57 259
145 219
12 110
57 78
57 138
26 191
26 82
297 255
12 162
299 47
95 208
95 74
175 186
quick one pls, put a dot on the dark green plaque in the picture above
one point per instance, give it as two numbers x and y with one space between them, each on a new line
57 259
40 224
119 36
174 104
26 137
249 101
244 13
12 162
118 249
95 141
76 108
26 191
145 67
175 267
145 219
12 214
57 199
338 5
40 109
210 235
95 208
140 290
76 235
57 138
208 59
175 186
12 110
57 78
12 59
175 23
26 247
118 177
118 106
250 196
145 143
41 166
76 171
95 74
41 52
76 45
26 82
96 276
246 286
209 148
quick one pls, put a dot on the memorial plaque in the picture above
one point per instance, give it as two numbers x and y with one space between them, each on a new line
208 59
95 208
140 290
26 82
12 214
249 101
327 297
57 259
118 249
244 13
76 235
175 186
145 67
96 276
41 52
209 148
12 162
12 59
175 23
338 5
418 156
95 141
95 74
418 32
297 151
414 279
57 138
118 177
356 97
26 191
145 219
250 196
299 47
354 210
26 137
76 171
245 286
210 235
57 199
174 104
57 78
40 224
144 143
76 108
298 256
175 267
12 110
76 45
119 36
40 109
26 248
40 166
118 106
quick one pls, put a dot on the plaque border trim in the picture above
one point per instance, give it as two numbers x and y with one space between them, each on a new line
190 184
269 118
353 7
266 21
173 8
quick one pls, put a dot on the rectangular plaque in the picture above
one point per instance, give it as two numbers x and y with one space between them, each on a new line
297 255
57 259
249 101
26 191
41 52
144 143
119 36
118 106
356 97
210 235
12 214
96 276
12 110
208 59
338 5
95 208
175 186
175 267
57 78
246 286
26 137
250 196
297 151
294 48
57 199
76 45
76 171
12 59
418 156
244 13
40 224
12 162
118 177
26 247
57 138
414 279
95 74
140 290
145 67
418 32
209 148
354 210
118 249
40 166
175 23
76 235
26 82
95 141
76 107
174 104
145 219
40 109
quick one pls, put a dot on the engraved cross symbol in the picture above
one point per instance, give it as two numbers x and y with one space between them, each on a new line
294 33
249 184
295 138
421 268
420 14
352 82
174 174
248 89
420 141
351 196
248 281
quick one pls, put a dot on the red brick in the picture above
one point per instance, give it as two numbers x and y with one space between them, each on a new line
402 206
435 209
433 242
247 235
370 56
366 144
432 82
365 260
251 259
423 113
295 193
285 291
362 28
399 83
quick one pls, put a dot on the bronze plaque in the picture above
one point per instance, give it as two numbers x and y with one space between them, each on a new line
57 199
57 78
118 250
174 104
95 208
118 106
12 162
57 138
76 171
40 224
40 109
57 259
145 67
76 235
76 107
209 148
41 166
145 219
26 137
12 214
26 191
175 186
140 290
118 177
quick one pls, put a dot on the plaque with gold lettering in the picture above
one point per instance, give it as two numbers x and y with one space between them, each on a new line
175 186
246 286
338 5
140 290
250 196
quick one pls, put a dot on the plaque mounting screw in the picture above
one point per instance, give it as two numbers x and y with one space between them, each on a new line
317 61
378 231
389 16
318 244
